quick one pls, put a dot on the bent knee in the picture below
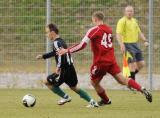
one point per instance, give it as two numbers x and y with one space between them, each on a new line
45 82
93 83
74 89
121 79
141 64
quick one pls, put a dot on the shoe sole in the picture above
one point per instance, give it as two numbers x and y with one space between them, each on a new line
64 102
106 104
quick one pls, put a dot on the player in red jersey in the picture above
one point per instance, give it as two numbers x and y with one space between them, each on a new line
104 60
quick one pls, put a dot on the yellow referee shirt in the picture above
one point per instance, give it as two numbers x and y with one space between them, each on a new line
129 29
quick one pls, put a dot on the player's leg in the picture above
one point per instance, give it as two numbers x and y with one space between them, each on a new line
139 60
57 90
54 87
131 50
72 81
140 64
101 92
116 73
133 69
128 82
132 83
97 72
83 94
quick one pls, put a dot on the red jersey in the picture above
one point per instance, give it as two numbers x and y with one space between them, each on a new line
101 44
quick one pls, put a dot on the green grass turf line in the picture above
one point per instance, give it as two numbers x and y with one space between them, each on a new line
125 104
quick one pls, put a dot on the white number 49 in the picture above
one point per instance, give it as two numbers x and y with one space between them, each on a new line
107 40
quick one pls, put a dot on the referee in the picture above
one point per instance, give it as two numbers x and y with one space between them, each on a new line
127 34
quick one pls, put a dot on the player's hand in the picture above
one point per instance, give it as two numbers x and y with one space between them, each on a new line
122 47
58 70
62 51
39 57
146 43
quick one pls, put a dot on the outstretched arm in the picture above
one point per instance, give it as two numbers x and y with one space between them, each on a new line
76 47
46 55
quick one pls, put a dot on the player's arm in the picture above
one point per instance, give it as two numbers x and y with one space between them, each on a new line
119 32
46 55
89 36
59 63
79 46
58 46
142 37
76 47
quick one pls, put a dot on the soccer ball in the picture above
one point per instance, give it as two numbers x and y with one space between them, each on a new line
29 100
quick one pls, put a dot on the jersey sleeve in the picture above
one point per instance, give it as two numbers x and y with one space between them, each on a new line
120 27
58 45
89 36
77 47
49 55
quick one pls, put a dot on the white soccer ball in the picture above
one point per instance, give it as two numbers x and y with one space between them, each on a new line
29 100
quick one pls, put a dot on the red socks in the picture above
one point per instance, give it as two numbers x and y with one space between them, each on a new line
131 83
134 84
103 96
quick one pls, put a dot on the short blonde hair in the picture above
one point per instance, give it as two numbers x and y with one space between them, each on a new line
99 15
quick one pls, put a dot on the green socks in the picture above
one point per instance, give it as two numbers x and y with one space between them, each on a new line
83 94
59 92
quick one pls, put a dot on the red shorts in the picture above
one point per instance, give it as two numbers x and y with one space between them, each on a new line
97 71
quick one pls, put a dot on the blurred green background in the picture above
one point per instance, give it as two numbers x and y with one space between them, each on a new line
22 34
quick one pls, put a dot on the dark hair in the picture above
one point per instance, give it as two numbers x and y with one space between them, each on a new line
99 15
53 27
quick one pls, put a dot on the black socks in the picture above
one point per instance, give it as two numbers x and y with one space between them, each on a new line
133 74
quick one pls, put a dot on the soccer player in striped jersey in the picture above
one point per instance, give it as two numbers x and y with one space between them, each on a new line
65 71
104 61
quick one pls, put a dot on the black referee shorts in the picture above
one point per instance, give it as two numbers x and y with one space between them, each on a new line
68 75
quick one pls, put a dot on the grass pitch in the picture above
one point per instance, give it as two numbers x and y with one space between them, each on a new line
125 104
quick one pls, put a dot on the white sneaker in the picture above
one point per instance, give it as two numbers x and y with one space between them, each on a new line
92 104
62 101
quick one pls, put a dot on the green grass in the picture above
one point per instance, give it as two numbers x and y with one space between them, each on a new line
125 104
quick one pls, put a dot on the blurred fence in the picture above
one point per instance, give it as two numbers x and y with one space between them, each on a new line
22 34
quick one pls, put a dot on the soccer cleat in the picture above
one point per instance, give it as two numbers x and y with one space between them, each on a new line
147 94
102 103
64 100
92 104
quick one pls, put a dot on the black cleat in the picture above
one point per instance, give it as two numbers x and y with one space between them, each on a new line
102 103
147 94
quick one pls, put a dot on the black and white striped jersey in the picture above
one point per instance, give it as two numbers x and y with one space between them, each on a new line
61 61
